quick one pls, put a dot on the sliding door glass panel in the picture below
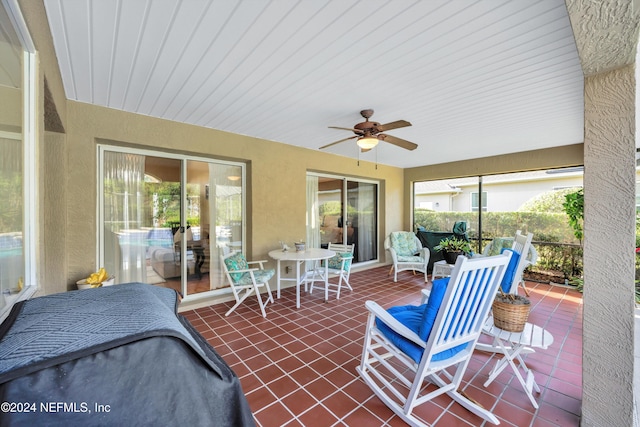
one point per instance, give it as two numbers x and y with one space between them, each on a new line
11 214
214 222
141 199
345 212
330 210
168 220
12 162
361 226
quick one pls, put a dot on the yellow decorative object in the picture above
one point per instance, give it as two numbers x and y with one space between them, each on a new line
96 279
20 283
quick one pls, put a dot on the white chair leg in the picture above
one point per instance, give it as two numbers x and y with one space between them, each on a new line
260 303
270 299
339 287
247 293
346 281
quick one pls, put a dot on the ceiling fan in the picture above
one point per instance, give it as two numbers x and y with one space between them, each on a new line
370 133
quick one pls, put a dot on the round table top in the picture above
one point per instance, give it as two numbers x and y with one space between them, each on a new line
306 255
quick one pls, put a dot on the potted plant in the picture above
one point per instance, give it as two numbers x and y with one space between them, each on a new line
452 247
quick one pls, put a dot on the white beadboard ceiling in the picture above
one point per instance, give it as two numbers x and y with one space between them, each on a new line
475 78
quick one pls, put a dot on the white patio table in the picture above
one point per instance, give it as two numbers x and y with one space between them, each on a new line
311 254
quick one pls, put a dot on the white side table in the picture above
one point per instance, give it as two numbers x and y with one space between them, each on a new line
441 269
531 336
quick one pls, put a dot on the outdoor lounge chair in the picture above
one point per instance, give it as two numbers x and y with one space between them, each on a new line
407 253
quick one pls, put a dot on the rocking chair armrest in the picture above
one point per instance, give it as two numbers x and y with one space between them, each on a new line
376 310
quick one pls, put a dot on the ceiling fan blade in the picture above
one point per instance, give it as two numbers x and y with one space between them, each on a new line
394 125
350 129
397 141
337 142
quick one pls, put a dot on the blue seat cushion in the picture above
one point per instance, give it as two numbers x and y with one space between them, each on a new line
510 272
419 319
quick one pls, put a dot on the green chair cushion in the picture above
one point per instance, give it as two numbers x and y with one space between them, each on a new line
236 261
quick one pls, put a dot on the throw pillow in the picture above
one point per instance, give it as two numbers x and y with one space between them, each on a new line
510 272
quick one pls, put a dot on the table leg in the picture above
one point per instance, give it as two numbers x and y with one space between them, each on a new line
529 385
297 284
326 281
278 279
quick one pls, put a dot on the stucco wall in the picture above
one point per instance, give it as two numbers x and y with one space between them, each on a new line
609 270
276 183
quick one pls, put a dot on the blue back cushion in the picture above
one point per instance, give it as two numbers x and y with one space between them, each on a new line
420 320
510 272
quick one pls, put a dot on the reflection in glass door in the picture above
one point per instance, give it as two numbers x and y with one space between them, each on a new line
160 231
343 211
214 217
361 226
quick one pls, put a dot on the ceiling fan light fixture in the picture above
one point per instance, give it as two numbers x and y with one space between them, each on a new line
367 142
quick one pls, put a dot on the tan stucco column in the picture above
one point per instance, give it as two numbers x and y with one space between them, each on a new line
606 36
609 243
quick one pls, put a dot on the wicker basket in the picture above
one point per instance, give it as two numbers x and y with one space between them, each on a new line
510 312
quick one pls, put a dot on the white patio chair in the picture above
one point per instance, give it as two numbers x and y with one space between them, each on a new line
404 346
245 280
339 266
407 253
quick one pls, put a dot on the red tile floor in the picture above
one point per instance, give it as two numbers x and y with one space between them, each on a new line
297 366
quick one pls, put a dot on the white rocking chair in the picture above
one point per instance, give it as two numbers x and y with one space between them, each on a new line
403 346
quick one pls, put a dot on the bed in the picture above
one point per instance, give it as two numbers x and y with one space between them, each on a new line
117 355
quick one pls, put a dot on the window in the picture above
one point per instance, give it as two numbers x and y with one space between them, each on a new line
17 159
474 201
526 201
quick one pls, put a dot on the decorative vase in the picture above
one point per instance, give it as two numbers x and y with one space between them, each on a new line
300 246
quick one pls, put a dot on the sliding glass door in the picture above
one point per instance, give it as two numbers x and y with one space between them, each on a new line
167 219
341 210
